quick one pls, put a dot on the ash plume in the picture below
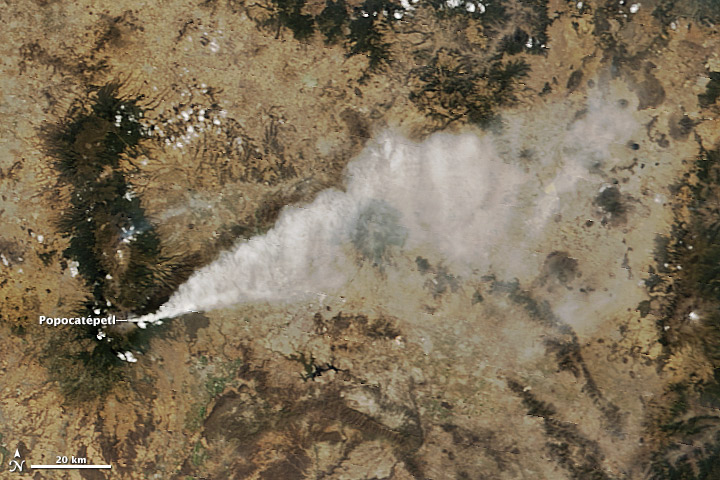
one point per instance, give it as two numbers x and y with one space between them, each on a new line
467 197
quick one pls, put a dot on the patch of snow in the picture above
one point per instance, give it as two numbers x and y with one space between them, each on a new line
127 356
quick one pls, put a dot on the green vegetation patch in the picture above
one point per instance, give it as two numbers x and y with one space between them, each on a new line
217 378
199 454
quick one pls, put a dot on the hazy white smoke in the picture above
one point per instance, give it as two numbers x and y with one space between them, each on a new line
466 197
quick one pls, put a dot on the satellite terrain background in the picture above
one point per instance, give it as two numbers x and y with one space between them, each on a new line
533 292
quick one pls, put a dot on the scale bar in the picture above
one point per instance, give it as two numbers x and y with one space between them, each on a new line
69 466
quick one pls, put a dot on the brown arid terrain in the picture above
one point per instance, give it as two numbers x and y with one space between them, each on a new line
574 335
